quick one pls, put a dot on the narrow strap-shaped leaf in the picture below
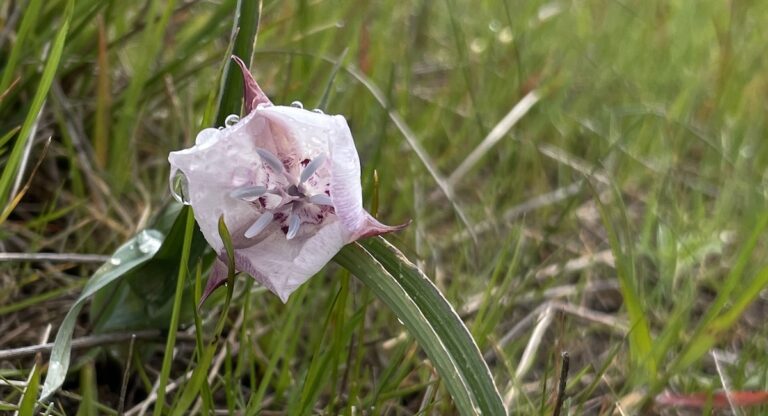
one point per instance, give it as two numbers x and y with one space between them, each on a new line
244 31
388 289
128 257
51 65
444 319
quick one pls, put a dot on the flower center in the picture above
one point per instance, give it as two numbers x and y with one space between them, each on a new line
287 200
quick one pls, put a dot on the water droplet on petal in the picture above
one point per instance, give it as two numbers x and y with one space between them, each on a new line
318 111
180 187
206 136
260 106
149 242
297 104
231 120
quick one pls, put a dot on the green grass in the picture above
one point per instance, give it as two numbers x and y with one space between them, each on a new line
631 195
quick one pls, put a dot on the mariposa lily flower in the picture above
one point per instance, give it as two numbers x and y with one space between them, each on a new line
287 182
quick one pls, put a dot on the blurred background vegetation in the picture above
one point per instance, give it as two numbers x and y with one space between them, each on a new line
620 219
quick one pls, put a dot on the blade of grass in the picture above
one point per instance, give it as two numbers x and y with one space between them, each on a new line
171 343
126 259
103 101
367 268
121 156
49 71
29 398
26 28
445 320
245 29
713 323
640 342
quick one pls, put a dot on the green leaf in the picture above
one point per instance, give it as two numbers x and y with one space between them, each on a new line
27 26
715 321
29 399
121 148
146 301
245 28
12 164
430 319
445 319
165 370
640 341
192 388
127 258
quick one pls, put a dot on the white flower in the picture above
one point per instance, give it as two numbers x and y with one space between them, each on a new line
286 180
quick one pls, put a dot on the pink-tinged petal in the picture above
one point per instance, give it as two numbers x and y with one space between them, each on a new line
346 190
216 279
372 227
282 265
252 93
215 170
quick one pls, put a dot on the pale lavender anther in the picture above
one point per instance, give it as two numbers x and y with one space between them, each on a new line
321 199
259 225
248 193
294 222
312 167
270 159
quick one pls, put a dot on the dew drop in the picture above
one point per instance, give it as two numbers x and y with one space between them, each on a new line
206 136
115 261
318 111
231 120
297 104
149 242
505 35
180 187
260 106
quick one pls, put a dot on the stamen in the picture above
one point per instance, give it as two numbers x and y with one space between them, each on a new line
293 226
321 199
248 193
312 167
259 225
272 160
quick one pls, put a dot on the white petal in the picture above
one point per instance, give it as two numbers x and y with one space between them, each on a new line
346 191
282 265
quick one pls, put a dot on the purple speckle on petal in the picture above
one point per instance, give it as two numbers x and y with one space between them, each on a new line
305 162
